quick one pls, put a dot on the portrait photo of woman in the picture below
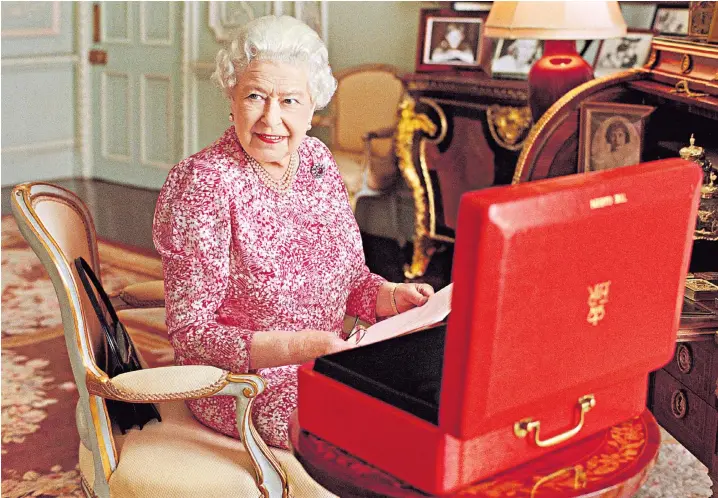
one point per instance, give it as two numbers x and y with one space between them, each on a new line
453 47
614 144
449 40
611 135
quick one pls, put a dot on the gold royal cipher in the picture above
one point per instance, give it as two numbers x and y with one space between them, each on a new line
597 299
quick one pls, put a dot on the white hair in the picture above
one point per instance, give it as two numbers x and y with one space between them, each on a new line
283 39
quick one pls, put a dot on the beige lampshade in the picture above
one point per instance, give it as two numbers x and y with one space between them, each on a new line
570 20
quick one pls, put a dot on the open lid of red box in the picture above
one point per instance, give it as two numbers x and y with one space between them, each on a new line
562 286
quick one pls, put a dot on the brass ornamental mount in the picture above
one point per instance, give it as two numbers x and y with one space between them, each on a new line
682 87
508 125
523 427
686 64
411 122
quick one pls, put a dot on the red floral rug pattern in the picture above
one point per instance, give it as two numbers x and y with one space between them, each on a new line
39 439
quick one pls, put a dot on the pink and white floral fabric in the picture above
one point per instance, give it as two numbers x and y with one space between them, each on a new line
239 257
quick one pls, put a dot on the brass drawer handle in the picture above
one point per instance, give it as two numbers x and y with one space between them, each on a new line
682 87
523 427
684 359
679 404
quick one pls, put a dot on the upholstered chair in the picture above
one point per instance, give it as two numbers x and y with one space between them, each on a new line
178 456
362 118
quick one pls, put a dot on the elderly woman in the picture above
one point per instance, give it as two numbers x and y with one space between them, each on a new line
262 256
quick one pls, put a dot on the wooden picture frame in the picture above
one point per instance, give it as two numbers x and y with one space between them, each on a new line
671 19
611 135
513 58
626 52
450 40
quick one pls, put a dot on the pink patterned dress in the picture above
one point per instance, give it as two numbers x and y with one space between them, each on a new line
239 257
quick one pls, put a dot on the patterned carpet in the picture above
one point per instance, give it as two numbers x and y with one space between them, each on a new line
39 440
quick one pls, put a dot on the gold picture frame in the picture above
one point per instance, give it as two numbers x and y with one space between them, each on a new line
701 17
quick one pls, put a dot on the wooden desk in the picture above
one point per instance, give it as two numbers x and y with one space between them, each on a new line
614 462
456 132
682 395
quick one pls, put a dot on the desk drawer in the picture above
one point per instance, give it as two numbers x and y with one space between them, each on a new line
695 365
687 417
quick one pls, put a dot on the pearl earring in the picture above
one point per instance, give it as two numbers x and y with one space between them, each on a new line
231 117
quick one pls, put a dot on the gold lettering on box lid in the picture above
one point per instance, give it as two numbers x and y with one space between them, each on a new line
608 200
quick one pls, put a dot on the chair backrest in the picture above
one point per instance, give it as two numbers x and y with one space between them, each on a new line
367 99
59 228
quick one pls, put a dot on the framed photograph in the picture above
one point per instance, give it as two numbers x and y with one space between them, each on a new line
619 54
670 20
450 40
513 58
700 17
611 135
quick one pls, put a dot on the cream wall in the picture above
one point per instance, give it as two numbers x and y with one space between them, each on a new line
49 108
361 32
40 133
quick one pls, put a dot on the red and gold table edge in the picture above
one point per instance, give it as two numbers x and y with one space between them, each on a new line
614 462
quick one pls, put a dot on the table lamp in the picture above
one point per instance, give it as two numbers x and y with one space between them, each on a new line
559 24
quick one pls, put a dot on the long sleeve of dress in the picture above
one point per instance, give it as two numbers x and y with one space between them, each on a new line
192 233
362 298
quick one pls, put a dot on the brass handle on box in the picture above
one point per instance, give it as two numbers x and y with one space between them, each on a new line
523 427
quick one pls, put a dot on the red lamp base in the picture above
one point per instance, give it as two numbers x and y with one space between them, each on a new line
558 71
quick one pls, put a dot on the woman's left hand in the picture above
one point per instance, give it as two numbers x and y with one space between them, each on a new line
410 296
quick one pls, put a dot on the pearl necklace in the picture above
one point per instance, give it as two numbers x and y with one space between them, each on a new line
283 184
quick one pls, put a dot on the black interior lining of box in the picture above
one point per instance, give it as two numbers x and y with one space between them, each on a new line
404 372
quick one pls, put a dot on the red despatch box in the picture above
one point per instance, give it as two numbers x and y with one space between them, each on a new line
567 293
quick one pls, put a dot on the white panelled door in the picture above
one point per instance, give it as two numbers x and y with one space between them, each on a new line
136 94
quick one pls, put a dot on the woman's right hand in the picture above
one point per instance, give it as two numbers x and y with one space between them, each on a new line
277 348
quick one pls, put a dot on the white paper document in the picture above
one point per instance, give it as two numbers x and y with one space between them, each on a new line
432 312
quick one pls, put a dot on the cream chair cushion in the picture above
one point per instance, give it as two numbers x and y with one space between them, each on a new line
179 457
